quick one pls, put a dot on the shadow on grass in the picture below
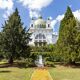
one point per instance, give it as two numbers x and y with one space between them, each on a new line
15 64
23 65
76 65
5 71
4 65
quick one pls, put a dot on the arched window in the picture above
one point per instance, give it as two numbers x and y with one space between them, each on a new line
40 36
44 37
40 26
36 37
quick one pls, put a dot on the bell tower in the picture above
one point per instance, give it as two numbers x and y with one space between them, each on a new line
48 23
32 23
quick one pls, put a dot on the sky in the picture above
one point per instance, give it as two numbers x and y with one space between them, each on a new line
55 9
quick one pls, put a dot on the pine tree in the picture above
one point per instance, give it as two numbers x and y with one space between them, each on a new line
67 45
15 38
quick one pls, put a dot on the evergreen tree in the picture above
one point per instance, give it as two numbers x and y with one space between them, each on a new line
67 45
15 38
78 39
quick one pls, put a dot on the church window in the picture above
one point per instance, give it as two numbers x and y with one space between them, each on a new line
39 40
31 25
48 25
44 43
40 36
40 26
40 44
36 37
44 40
36 44
44 37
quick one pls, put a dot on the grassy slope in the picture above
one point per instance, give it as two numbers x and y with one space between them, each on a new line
13 73
64 73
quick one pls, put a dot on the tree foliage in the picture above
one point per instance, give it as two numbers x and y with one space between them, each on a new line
68 43
15 38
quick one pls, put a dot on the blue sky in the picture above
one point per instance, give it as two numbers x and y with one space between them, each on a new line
32 8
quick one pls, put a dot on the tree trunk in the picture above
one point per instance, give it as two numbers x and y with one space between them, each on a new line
11 60
72 62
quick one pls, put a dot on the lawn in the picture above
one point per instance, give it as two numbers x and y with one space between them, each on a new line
14 73
65 73
57 73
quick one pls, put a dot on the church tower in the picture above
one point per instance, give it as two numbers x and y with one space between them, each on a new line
48 23
32 23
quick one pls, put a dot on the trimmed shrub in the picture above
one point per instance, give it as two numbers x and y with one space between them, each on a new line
49 64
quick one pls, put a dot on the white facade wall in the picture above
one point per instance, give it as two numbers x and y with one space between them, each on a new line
47 32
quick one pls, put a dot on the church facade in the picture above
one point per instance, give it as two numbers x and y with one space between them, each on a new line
42 32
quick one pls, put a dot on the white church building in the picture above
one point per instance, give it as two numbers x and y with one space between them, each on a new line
42 32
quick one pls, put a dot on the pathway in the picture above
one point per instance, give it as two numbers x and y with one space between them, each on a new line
41 74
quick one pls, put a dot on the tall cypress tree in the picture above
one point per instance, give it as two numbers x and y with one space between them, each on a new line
67 38
15 38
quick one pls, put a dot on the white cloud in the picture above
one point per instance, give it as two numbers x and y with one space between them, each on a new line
50 18
57 20
53 23
7 13
60 17
77 14
35 6
7 5
34 13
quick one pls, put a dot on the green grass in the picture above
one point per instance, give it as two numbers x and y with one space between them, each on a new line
14 73
57 73
65 73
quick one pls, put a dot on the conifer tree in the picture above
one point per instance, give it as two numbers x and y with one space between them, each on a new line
67 45
15 38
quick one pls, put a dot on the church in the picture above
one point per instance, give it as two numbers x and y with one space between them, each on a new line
42 32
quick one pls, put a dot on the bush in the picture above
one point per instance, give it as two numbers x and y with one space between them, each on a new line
49 64
28 62
22 64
